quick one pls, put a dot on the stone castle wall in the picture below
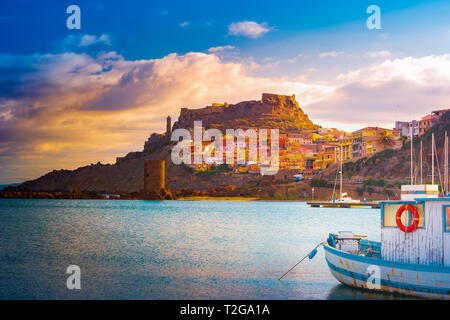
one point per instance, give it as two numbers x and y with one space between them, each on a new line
271 106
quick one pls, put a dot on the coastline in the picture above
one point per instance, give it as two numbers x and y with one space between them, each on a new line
218 199
193 198
164 195
239 199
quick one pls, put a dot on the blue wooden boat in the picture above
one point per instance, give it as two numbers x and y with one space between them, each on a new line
413 257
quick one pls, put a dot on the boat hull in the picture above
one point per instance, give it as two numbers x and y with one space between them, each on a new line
376 274
342 205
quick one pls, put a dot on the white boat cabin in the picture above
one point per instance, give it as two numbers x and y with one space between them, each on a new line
411 192
416 231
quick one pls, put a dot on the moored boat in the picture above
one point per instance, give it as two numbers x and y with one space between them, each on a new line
412 258
344 200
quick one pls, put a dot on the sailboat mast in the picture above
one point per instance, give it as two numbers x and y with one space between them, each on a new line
446 164
340 172
412 165
421 163
432 158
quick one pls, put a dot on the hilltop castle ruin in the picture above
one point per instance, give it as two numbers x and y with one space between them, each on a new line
272 108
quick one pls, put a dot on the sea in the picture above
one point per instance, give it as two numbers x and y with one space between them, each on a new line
173 249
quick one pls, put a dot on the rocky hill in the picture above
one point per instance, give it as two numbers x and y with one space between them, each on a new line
126 175
272 111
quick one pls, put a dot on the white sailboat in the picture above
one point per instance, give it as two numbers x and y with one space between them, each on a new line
412 191
343 196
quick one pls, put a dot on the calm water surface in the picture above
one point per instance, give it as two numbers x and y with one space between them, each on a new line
172 249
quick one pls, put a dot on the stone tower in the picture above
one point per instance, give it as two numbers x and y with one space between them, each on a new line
169 126
154 175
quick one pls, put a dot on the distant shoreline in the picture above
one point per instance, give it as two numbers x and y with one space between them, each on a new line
217 199
237 199
201 198
166 195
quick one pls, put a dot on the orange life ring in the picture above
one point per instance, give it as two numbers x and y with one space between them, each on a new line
398 218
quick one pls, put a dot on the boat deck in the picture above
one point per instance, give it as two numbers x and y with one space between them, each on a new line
362 266
330 204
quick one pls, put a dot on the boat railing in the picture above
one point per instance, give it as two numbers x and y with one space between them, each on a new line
356 245
351 245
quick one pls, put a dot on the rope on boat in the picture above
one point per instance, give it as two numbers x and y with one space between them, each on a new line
310 255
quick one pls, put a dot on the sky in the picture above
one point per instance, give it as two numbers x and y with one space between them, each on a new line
71 97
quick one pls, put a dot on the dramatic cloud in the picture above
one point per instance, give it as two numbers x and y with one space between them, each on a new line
66 110
249 29
380 94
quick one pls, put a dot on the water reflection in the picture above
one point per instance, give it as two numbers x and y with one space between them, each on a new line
343 292
171 249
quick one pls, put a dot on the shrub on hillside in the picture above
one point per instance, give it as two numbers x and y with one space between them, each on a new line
374 182
320 183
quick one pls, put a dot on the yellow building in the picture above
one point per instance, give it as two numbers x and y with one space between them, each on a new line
291 159
324 158
344 149
370 140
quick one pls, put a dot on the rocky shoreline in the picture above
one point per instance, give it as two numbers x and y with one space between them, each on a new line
281 192
163 194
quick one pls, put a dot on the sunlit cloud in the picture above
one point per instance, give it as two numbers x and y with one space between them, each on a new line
380 94
70 109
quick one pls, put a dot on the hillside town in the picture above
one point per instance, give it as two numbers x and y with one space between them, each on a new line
312 151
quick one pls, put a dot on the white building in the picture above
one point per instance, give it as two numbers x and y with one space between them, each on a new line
404 127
